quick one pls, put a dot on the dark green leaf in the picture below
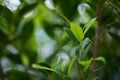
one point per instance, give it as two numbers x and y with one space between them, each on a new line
114 36
27 8
71 36
3 24
77 53
27 31
8 15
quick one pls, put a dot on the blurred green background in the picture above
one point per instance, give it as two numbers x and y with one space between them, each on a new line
31 31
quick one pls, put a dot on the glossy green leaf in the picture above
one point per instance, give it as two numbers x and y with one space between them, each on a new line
71 36
89 25
86 64
101 59
71 64
77 31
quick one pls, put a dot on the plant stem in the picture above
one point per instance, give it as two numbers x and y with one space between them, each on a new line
78 66
97 35
1 72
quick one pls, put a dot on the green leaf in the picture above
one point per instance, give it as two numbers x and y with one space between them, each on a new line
25 59
114 36
66 19
37 66
71 36
63 65
7 14
43 64
100 59
3 24
71 64
77 31
27 31
89 25
114 25
86 63
85 43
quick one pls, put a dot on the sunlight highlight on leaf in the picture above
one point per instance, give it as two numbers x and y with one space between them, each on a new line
86 63
101 59
77 31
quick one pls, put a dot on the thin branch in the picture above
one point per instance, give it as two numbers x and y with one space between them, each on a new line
78 65
79 68
97 35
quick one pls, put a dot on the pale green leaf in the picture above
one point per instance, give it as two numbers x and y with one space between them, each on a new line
85 43
101 59
45 68
86 64
77 31
64 64
88 25
71 64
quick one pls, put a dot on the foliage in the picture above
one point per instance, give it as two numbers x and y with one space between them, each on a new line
59 39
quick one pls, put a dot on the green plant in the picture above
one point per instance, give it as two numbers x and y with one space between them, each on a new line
37 43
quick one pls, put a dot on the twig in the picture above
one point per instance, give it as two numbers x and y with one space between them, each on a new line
78 66
79 73
97 35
